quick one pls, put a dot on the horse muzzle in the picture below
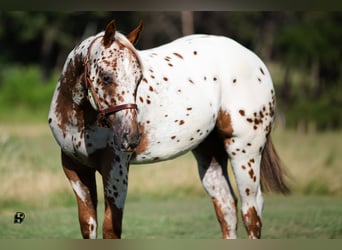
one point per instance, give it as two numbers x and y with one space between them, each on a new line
126 135
129 141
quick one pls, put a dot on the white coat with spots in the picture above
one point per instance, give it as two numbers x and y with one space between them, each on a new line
115 105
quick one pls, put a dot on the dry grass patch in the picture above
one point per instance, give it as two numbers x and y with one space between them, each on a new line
313 160
30 168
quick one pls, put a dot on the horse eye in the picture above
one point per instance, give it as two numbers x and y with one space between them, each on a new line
107 79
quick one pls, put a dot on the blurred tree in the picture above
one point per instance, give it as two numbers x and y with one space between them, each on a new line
311 43
46 38
305 44
160 28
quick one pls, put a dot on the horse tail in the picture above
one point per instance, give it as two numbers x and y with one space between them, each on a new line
272 171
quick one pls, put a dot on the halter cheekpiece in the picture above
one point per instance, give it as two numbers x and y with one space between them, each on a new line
102 112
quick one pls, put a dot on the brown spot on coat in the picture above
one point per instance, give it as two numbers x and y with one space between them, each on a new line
224 124
251 173
252 223
178 55
144 142
262 72
220 217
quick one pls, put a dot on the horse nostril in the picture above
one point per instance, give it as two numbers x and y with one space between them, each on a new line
125 136
129 141
134 144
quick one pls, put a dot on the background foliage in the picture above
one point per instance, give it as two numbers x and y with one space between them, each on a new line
302 49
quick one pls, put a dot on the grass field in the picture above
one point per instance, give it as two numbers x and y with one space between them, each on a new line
166 200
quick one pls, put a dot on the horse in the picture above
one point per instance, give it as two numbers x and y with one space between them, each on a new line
115 105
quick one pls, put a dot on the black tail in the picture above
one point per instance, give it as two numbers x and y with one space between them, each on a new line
272 172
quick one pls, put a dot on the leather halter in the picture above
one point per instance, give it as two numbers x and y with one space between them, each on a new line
102 112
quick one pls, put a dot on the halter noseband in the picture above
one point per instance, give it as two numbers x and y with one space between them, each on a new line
102 112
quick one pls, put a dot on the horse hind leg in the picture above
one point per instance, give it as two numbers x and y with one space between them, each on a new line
212 166
247 175
245 159
244 148
255 165
82 180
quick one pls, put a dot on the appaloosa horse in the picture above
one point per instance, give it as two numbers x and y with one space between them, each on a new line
115 105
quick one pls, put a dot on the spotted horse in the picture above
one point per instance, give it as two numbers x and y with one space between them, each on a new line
115 105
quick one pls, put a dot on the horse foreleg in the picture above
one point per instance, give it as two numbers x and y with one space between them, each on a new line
82 180
115 184
212 165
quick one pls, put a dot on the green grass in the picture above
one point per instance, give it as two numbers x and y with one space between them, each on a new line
292 217
166 200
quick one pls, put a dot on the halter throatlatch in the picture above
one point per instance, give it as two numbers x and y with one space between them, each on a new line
102 112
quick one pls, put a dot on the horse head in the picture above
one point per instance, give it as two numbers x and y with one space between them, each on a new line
112 75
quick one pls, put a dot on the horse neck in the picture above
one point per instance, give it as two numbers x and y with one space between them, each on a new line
72 102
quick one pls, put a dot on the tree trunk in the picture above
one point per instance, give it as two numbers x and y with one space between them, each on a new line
315 81
268 32
286 87
187 23
46 50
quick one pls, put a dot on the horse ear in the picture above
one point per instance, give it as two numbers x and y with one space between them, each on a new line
108 37
134 35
